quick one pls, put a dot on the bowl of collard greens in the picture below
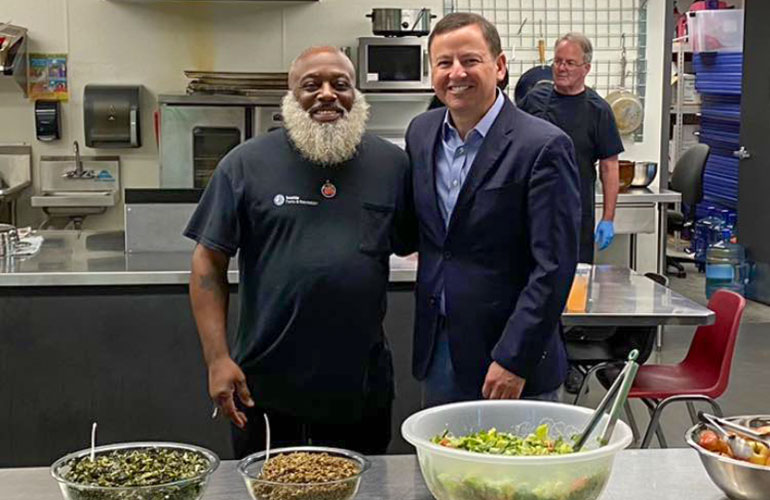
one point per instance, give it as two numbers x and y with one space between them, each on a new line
136 471
511 450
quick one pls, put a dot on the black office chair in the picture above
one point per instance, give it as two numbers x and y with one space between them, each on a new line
606 358
687 179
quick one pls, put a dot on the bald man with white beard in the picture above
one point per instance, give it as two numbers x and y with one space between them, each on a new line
313 211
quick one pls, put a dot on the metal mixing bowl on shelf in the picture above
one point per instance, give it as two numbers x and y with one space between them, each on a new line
644 173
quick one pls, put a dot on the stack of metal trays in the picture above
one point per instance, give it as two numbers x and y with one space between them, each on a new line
219 82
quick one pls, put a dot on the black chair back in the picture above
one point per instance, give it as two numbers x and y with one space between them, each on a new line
687 177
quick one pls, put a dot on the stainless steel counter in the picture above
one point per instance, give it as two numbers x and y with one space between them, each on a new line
619 296
636 213
88 258
637 475
642 195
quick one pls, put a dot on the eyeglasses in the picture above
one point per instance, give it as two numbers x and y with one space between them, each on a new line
570 64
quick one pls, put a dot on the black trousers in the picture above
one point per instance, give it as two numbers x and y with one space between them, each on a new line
369 436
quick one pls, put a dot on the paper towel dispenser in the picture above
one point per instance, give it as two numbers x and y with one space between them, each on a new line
111 116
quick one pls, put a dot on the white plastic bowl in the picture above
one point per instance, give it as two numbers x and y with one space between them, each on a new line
452 474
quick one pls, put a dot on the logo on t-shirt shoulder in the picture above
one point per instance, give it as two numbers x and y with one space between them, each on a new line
280 200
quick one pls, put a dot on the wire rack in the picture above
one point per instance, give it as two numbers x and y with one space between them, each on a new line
522 22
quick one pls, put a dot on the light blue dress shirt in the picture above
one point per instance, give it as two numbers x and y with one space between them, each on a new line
455 157
454 160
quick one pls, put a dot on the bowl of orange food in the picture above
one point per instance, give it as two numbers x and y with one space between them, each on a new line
738 478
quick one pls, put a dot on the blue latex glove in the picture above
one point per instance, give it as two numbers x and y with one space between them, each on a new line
605 232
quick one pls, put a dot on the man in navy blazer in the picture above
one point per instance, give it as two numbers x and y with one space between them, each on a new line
496 194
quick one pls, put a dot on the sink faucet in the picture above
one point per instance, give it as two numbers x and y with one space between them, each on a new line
78 162
78 172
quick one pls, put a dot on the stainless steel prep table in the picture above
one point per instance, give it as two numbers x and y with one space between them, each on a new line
622 297
670 474
636 212
619 296
93 258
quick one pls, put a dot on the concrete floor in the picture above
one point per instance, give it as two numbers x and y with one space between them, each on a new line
750 376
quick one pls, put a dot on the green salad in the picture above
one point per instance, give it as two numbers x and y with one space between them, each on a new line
474 486
494 442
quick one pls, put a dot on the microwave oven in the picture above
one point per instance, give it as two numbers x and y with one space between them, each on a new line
393 64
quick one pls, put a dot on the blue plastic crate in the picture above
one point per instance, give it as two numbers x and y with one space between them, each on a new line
725 86
718 73
718 62
721 111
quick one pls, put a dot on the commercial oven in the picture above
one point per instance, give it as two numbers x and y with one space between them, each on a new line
197 131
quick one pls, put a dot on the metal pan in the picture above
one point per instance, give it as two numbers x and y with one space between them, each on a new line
401 22
538 75
626 106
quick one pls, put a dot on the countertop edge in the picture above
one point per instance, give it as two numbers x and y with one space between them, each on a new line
135 278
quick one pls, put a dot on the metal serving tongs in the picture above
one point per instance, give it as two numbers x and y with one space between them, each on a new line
739 446
620 387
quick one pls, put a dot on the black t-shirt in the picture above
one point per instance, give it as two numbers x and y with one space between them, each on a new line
585 117
313 270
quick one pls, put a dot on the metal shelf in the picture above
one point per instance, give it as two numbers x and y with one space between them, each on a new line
687 109
685 47
399 96
270 2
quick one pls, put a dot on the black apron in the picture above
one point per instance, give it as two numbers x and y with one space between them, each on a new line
585 160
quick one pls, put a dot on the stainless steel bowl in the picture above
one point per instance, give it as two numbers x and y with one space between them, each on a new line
644 173
738 479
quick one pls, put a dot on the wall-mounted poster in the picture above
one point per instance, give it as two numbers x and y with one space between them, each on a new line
48 76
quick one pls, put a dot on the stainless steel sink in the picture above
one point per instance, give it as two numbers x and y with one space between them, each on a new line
16 172
76 199
66 190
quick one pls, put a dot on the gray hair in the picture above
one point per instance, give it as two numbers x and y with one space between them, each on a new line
583 42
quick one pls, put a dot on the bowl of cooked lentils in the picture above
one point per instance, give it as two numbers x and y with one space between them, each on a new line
136 471
303 473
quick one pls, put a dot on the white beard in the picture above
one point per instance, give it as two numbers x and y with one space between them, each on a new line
325 143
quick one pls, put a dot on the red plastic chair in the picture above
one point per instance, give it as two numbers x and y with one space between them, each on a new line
703 374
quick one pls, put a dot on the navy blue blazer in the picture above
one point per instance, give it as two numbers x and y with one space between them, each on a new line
508 256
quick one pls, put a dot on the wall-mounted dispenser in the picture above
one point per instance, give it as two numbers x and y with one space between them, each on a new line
47 120
111 116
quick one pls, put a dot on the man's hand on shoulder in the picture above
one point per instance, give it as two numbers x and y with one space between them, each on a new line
502 384
225 379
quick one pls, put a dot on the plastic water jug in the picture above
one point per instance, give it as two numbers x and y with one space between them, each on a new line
726 266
